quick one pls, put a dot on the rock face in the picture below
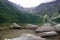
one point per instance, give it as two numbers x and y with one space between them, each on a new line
31 26
45 28
15 26
57 27
51 33
28 37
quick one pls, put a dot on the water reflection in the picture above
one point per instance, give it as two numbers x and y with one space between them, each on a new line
26 36
15 34
10 34
7 39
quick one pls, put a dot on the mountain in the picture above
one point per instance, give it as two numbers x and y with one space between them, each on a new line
27 10
50 8
9 13
44 8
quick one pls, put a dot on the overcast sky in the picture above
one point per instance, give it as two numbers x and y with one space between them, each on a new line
30 3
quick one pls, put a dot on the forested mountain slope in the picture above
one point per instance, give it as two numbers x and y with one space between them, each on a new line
9 13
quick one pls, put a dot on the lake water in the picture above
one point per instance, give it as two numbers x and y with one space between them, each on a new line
15 34
9 34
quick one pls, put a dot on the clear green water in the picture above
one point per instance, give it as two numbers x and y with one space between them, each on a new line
11 34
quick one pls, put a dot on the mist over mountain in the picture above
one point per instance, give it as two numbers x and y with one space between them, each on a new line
47 8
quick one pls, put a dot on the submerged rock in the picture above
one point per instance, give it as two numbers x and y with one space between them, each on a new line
51 33
57 27
28 37
31 26
45 28
15 26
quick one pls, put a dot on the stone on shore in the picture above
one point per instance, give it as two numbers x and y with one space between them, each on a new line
45 28
57 27
31 26
51 33
15 26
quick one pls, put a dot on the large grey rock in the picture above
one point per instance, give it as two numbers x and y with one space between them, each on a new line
28 37
31 26
47 24
45 28
51 33
57 27
15 26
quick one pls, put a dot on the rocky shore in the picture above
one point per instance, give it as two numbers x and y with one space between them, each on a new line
41 31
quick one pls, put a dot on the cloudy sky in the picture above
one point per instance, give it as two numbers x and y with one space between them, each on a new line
30 3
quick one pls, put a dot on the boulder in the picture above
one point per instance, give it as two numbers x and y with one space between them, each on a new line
51 33
45 28
47 24
15 26
57 27
31 26
28 37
